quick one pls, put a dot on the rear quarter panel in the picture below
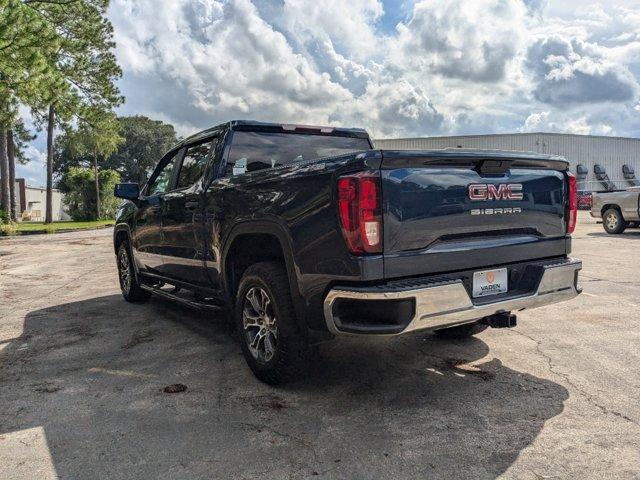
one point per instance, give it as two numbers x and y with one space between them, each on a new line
298 200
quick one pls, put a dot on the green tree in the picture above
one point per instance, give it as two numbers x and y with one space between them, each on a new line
96 138
68 153
26 44
78 185
145 142
86 63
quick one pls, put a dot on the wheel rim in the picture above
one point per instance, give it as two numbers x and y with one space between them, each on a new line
612 221
124 270
259 322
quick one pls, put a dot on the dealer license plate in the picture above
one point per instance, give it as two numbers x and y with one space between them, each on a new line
489 282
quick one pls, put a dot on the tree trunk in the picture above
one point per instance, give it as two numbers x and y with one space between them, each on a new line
97 181
4 172
11 154
49 207
139 174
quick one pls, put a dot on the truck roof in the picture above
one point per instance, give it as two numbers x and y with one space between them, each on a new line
254 125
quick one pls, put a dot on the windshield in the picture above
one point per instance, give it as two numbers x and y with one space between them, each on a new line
251 151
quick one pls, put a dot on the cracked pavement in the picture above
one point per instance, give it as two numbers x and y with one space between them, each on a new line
82 375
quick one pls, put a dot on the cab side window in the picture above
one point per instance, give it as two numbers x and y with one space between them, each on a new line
162 178
194 163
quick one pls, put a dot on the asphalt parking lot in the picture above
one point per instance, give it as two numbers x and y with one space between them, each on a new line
82 376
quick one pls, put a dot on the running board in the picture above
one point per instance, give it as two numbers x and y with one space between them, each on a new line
184 301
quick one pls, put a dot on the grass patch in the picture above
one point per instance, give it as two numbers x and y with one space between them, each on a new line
31 227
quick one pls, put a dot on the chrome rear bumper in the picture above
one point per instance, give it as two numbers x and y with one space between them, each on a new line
447 304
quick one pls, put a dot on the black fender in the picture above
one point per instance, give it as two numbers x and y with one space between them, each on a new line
280 231
119 228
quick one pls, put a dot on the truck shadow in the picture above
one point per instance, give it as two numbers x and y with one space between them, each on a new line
91 375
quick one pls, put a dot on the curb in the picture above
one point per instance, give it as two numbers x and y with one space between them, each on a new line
62 230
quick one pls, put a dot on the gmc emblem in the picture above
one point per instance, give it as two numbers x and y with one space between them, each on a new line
489 191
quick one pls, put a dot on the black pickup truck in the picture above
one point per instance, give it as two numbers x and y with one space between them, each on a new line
306 233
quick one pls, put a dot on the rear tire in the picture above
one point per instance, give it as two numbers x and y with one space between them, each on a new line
613 222
129 285
270 337
461 331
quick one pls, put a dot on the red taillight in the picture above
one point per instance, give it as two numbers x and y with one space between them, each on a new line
360 212
573 203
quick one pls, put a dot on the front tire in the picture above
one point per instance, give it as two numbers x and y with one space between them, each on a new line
461 331
271 341
613 222
129 285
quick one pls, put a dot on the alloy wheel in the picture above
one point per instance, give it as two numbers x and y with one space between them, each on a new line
259 322
612 221
124 270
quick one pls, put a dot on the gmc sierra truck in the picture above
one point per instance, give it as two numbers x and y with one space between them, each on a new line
309 233
618 210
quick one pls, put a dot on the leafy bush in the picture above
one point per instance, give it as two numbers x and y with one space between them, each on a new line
8 228
78 185
4 217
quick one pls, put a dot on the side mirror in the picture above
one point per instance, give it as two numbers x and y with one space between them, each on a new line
128 191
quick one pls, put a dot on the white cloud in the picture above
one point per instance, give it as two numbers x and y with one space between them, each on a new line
35 156
559 123
390 109
473 40
229 63
35 171
439 67
347 25
571 71
453 66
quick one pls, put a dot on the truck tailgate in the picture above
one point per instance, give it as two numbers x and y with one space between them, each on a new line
457 210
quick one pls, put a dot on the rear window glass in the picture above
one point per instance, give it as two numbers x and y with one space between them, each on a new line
251 151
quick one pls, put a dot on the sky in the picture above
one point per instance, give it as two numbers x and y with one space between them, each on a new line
399 68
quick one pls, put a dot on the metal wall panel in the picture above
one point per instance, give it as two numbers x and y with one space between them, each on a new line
610 152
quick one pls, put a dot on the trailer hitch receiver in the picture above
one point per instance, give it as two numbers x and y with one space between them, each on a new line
502 320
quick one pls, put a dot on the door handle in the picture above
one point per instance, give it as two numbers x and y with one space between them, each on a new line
191 206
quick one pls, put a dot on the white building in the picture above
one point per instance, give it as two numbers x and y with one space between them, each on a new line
31 203
593 159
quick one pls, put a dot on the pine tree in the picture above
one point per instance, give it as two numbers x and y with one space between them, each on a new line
5 203
11 157
86 63
26 43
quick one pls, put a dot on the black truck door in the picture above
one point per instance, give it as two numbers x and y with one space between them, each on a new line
147 236
182 221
